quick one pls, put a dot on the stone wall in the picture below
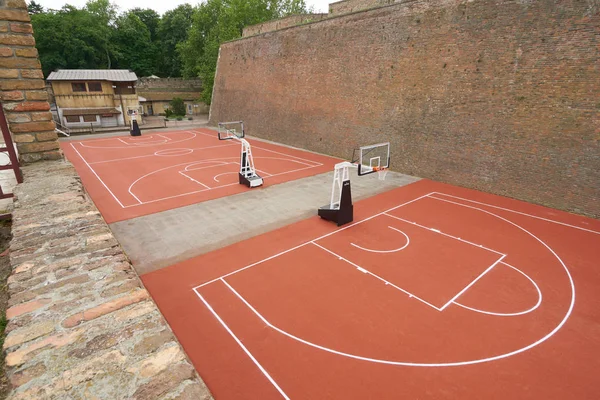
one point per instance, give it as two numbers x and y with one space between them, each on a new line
286 22
22 86
496 96
81 326
162 84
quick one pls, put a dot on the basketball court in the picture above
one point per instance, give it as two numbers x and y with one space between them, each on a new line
130 176
433 291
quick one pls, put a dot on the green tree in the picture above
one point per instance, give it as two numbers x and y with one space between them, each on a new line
71 38
103 9
172 30
150 18
34 8
177 106
218 21
132 47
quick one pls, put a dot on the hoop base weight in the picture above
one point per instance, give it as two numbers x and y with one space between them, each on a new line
341 213
251 182
135 129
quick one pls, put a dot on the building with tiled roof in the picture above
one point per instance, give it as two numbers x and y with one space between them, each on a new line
94 97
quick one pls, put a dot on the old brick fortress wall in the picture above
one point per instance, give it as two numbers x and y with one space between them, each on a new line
501 96
22 88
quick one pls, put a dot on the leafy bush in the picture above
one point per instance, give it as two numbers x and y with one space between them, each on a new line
168 113
177 106
179 118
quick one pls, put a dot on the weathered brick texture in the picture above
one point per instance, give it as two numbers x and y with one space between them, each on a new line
281 23
22 87
497 96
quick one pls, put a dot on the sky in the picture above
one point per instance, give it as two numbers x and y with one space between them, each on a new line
160 6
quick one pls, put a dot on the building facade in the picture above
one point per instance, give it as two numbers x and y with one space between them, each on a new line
156 94
94 98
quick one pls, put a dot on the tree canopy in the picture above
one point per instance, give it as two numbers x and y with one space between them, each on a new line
185 41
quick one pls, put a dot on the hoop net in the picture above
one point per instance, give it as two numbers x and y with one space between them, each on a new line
381 173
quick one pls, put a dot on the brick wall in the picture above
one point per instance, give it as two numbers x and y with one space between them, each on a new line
281 23
497 96
348 6
22 88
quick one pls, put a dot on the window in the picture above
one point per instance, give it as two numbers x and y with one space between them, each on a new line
72 118
89 118
94 86
190 110
78 87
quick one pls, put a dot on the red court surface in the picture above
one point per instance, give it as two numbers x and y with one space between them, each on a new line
130 176
433 292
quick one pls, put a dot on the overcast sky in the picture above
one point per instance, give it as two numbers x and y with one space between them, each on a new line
160 6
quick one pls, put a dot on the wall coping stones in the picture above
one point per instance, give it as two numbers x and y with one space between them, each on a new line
80 323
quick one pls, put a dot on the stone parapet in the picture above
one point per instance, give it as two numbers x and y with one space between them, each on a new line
281 23
81 326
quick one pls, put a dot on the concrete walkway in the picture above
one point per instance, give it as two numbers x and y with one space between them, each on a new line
159 240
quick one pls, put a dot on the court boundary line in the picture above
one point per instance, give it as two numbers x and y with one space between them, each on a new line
287 157
309 241
273 151
451 364
95 174
157 155
129 145
518 212
212 188
239 342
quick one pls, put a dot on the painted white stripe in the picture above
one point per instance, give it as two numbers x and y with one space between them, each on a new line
442 233
377 276
386 251
239 342
519 212
473 282
94 172
313 240
272 151
539 292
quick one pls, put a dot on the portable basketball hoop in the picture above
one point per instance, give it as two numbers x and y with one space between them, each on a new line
133 112
370 159
235 131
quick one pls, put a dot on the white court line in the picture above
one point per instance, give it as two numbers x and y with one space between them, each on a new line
539 292
386 251
87 145
272 151
194 180
224 173
153 154
213 188
94 172
212 164
311 241
449 364
239 342
442 233
473 282
366 271
519 212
